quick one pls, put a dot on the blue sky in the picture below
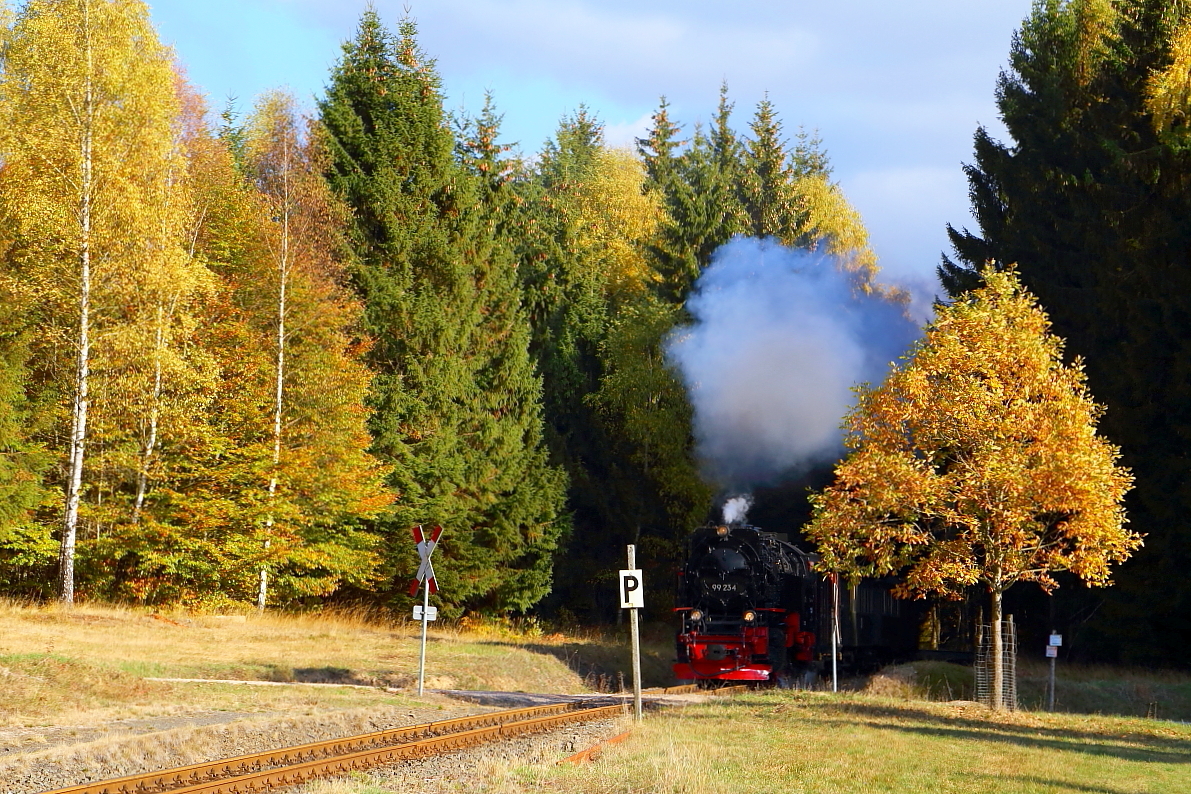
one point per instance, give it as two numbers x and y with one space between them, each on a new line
894 89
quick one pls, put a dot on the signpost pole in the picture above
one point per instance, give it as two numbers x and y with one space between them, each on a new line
425 622
636 643
1050 692
1052 651
425 578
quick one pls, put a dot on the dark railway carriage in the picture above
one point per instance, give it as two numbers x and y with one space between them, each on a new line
753 609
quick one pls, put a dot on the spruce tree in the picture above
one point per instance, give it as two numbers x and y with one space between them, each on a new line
765 188
699 187
26 548
456 399
1090 199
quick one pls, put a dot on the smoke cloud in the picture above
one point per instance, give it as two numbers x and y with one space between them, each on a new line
779 339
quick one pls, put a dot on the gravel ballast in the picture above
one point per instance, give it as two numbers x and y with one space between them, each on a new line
469 770
120 755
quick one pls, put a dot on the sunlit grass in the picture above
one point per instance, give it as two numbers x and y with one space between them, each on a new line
818 743
90 663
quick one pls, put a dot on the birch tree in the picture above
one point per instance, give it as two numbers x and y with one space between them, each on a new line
317 385
86 107
977 461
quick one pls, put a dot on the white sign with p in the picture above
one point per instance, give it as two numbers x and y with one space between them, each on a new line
632 594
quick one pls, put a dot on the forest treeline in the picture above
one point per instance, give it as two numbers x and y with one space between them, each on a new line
244 349
241 353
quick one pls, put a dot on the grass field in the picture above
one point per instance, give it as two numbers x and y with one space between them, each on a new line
1081 688
819 743
90 664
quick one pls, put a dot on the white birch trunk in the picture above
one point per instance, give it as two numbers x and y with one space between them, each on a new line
78 423
142 477
279 383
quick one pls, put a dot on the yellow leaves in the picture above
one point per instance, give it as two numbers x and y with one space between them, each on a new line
1095 27
615 217
978 458
1168 91
826 215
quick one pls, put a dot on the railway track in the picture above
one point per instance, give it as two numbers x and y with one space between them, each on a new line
259 772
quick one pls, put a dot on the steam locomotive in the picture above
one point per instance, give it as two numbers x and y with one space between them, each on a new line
754 610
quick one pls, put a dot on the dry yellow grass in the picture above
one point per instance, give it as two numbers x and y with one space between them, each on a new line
90 663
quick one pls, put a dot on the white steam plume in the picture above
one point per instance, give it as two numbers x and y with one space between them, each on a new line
779 339
736 508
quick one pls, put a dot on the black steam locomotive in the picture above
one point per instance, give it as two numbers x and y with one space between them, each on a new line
754 610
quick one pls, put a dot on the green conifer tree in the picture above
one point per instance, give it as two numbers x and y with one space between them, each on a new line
26 548
456 399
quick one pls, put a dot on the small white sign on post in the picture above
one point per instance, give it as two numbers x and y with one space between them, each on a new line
1052 651
430 612
1056 640
632 595
632 598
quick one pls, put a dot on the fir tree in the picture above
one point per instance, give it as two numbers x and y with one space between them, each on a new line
765 188
456 400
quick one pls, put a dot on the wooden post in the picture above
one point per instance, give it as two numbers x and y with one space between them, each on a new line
636 634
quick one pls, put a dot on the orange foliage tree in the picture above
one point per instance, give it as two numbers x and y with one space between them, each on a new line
977 462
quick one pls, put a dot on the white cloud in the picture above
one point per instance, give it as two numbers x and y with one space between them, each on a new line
895 89
625 134
630 52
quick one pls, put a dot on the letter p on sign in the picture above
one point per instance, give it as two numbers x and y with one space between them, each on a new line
631 594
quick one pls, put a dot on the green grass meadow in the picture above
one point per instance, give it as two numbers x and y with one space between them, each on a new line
819 743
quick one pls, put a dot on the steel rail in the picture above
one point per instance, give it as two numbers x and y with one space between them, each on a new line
261 771
346 764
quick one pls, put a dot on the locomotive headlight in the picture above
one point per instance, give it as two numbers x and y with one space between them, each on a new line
695 614
721 531
749 616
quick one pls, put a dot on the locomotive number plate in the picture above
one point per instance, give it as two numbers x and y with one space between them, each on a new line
722 588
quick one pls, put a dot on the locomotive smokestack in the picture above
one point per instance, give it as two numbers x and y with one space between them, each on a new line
780 338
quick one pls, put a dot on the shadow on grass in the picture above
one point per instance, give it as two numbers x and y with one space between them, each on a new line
1135 747
998 783
603 665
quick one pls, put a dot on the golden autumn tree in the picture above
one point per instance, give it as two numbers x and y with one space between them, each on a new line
320 472
977 461
86 113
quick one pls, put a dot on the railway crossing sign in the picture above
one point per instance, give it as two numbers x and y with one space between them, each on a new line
424 613
426 546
